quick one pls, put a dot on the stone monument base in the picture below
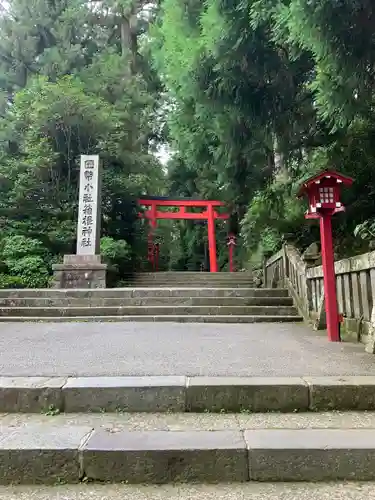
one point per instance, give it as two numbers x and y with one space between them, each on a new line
80 271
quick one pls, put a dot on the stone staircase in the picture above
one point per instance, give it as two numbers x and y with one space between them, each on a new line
246 436
195 279
177 429
203 298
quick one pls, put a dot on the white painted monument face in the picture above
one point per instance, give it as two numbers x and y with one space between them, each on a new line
89 214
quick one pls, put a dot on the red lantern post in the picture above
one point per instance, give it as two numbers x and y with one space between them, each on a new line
231 244
323 193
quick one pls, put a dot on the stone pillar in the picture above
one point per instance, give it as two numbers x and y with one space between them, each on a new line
85 269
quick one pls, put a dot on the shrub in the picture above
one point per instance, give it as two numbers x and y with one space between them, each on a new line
26 259
7 281
114 252
31 270
18 246
117 254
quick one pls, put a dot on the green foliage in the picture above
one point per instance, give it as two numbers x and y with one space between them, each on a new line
340 37
72 83
7 281
26 260
366 230
273 213
17 247
32 270
117 254
265 93
239 103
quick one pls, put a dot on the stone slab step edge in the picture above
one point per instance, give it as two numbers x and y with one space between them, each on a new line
146 301
186 394
230 283
192 273
70 454
198 277
144 292
219 319
195 283
147 310
186 285
185 279
210 283
192 285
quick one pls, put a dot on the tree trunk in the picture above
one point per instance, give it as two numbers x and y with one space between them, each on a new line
127 43
281 172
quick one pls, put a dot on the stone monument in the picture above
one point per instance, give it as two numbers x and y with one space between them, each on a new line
85 269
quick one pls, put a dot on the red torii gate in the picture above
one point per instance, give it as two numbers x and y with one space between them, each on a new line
209 214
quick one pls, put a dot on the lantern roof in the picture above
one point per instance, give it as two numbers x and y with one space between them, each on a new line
346 181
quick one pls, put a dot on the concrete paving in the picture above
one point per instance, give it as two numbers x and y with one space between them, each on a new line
276 491
94 349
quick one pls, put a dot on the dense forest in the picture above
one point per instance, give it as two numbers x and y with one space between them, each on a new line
248 97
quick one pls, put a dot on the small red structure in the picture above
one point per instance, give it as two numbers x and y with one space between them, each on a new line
231 245
208 213
323 193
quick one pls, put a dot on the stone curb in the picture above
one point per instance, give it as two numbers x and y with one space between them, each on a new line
50 454
186 394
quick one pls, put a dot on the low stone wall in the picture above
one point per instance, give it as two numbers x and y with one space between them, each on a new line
355 285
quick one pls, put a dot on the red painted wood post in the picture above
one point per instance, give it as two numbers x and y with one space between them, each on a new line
231 245
231 267
153 225
150 247
156 264
211 238
329 277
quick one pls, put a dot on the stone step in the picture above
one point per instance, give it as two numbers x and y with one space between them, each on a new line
193 284
100 448
144 292
273 311
193 274
191 318
193 280
235 491
145 301
184 279
204 277
186 394
199 278
186 284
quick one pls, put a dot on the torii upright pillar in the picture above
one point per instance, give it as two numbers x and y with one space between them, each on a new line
211 238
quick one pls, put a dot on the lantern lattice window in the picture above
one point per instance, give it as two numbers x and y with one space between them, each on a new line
326 194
